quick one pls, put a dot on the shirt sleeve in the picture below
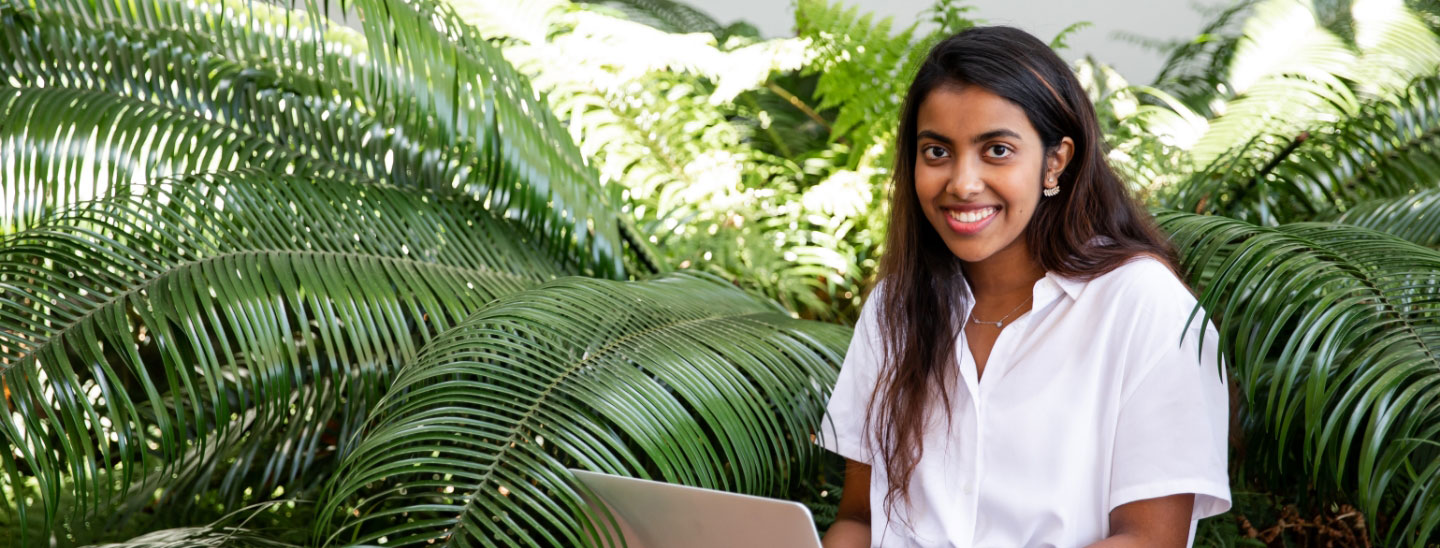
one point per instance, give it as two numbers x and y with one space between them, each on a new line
1173 429
841 431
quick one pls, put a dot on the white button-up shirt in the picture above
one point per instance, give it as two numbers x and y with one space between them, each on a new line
1090 400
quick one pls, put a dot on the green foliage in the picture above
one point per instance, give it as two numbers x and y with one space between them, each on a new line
226 236
863 69
1385 150
749 159
292 103
1332 328
1414 216
666 15
1291 68
675 379
1059 41
262 258
151 338
762 162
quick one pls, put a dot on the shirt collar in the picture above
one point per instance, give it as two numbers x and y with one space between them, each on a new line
1071 286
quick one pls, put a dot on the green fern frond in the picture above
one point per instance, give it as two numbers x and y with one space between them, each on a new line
1059 41
861 66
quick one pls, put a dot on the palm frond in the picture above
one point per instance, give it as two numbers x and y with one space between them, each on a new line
427 78
684 379
256 97
1428 11
1385 151
1296 66
666 15
1334 332
199 537
182 80
466 87
1194 70
118 144
224 332
1414 217
1285 72
1395 45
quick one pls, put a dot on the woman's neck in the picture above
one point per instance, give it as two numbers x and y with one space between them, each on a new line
1003 274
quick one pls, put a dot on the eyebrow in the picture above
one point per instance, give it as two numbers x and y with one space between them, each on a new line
977 140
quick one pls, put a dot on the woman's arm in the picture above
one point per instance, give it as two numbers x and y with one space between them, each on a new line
852 521
1158 522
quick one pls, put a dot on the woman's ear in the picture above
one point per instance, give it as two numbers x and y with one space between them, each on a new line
1057 160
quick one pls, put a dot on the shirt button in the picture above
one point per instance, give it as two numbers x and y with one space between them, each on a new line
969 488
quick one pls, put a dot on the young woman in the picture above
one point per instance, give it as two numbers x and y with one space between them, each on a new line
1027 372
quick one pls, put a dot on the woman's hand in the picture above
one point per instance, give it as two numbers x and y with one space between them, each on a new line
852 521
1158 522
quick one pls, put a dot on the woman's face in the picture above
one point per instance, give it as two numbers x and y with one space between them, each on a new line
979 169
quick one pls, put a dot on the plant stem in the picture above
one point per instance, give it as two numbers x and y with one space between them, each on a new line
797 103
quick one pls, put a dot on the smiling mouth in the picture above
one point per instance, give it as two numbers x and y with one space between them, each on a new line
972 216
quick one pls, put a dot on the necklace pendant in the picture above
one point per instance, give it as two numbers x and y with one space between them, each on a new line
977 321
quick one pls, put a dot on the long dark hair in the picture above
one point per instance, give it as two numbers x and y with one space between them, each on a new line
919 316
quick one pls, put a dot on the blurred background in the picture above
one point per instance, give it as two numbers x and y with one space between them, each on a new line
1120 27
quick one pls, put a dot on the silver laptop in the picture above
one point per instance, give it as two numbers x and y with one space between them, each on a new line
652 514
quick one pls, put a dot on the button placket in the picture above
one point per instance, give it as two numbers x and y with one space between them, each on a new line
972 483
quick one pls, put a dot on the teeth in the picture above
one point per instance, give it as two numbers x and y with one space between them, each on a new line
972 216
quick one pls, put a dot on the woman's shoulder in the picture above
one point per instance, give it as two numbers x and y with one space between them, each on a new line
1145 274
1145 286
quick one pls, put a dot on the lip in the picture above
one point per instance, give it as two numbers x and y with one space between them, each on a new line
968 228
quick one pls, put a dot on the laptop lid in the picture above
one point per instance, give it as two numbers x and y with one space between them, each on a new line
653 514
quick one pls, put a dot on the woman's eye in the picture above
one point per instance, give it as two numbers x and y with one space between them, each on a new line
998 151
933 152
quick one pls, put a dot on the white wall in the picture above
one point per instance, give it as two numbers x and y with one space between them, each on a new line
1166 19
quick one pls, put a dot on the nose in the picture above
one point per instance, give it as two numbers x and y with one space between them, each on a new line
965 179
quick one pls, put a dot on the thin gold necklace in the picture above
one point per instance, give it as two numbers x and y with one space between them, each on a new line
1001 323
